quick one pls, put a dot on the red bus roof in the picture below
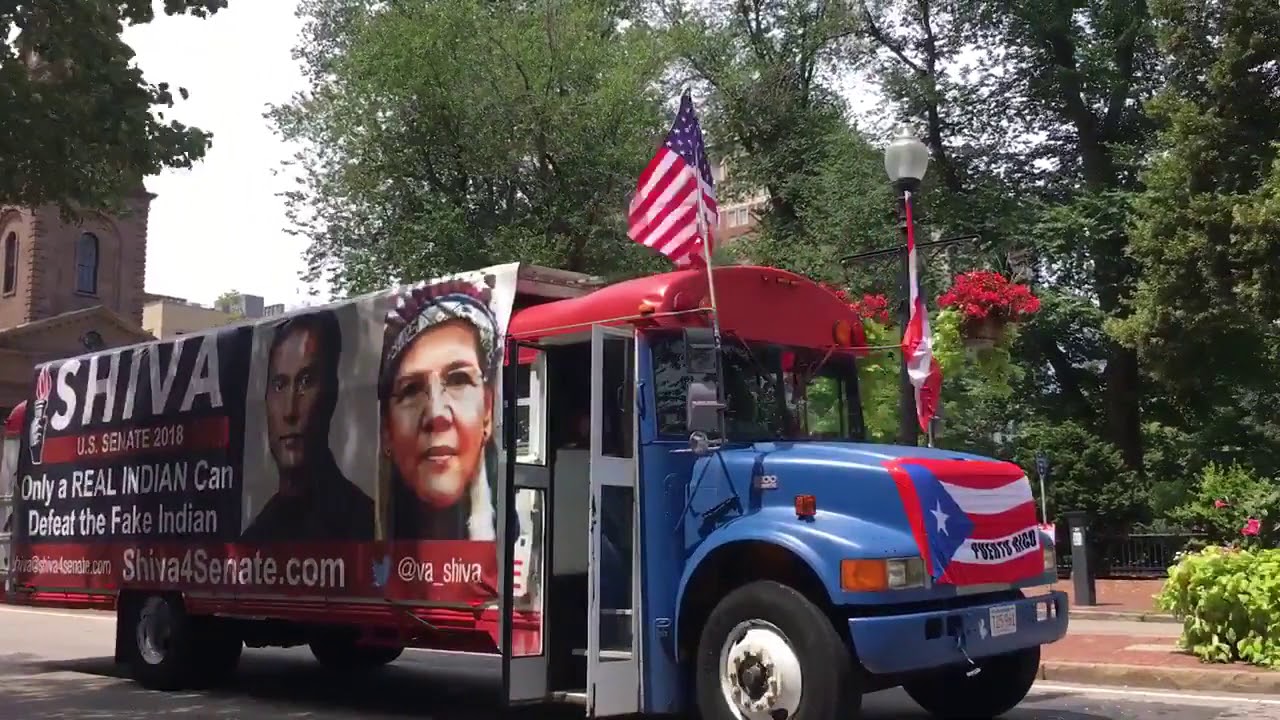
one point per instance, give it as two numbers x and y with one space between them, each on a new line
756 303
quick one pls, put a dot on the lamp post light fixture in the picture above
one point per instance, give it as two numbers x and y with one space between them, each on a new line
905 160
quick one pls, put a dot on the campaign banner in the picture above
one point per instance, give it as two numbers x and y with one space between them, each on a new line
350 450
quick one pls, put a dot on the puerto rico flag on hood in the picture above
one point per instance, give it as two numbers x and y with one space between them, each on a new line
974 521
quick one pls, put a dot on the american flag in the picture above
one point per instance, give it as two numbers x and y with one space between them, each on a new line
917 339
668 214
974 521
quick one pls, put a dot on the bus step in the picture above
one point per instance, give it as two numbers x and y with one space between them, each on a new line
577 697
605 654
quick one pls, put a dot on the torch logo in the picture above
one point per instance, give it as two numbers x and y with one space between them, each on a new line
44 385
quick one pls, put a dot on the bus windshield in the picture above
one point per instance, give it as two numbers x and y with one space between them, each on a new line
772 392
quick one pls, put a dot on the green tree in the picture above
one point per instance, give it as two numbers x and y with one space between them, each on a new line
228 299
1206 230
769 69
78 128
450 135
1088 474
1034 113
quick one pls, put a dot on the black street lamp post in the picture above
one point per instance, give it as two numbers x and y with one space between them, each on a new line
905 160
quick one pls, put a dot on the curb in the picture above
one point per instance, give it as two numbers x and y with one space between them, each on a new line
1259 682
1086 614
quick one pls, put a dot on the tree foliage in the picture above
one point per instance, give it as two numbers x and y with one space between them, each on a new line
447 135
1127 147
78 128
769 71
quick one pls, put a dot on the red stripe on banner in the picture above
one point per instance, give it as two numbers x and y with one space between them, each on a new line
196 435
911 505
1014 520
291 576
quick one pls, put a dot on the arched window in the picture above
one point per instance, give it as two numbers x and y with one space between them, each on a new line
87 264
10 263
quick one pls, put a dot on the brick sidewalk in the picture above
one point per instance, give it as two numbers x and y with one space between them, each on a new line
1123 650
1135 596
1153 662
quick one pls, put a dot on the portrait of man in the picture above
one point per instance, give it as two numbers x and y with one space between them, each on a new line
314 500
437 398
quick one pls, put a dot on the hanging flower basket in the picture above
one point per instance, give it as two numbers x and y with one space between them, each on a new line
982 333
988 302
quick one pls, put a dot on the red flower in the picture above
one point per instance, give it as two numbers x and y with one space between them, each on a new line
870 307
1252 527
873 307
981 294
1219 504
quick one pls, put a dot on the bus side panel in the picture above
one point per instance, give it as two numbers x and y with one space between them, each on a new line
315 464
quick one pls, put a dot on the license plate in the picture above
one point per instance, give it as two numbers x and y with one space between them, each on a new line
1004 620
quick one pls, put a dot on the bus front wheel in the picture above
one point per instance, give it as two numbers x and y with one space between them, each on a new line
768 653
998 687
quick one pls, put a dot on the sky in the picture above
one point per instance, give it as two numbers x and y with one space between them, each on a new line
220 226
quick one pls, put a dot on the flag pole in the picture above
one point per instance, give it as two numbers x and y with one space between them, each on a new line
704 234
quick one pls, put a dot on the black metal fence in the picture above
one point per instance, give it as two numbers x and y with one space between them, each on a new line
1132 555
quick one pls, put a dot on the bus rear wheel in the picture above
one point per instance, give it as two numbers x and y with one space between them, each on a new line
163 639
767 653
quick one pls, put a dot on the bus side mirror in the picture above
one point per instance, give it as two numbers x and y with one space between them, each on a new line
703 407
699 351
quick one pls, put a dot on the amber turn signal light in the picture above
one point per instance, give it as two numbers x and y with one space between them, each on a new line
806 506
863 575
842 333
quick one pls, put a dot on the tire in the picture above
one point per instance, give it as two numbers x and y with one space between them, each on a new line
1003 683
218 653
788 631
345 655
163 643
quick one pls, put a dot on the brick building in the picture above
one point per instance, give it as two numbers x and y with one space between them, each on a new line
169 317
739 215
67 287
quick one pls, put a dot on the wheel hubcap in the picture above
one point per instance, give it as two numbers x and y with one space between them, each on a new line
760 672
155 628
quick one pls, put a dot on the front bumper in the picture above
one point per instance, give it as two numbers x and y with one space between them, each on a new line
927 640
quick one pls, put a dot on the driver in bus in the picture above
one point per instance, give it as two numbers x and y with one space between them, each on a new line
314 500
437 394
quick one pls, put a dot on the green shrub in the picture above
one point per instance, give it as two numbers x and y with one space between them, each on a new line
1229 602
1226 499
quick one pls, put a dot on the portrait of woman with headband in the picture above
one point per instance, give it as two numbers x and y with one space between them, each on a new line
437 397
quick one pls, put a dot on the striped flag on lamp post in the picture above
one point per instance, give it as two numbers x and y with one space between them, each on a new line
917 339
674 210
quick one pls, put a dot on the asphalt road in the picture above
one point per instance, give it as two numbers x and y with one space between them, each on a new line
58 666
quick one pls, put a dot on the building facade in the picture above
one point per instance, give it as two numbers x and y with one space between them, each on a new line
68 287
167 317
739 216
